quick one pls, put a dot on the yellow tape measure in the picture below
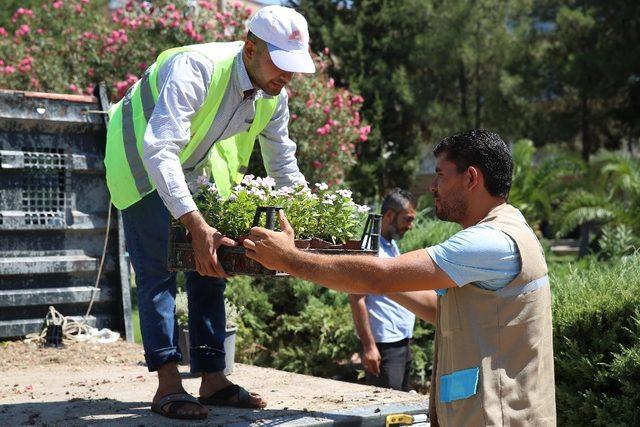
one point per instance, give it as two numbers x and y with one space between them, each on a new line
404 419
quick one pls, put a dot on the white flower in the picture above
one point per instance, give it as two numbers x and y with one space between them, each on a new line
299 180
213 188
321 186
238 188
232 198
363 209
269 182
202 180
247 180
327 202
257 192
284 191
331 197
345 193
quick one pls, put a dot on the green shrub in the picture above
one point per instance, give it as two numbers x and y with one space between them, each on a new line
293 325
597 341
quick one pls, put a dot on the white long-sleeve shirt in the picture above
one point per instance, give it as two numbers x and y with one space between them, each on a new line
184 82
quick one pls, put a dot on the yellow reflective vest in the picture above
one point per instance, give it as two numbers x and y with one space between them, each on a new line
127 178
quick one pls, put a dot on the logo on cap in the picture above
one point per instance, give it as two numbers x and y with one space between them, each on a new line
295 35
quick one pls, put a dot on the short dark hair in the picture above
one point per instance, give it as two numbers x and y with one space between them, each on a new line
256 40
398 199
485 150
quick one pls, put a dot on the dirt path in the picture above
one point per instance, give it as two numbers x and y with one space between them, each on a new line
108 385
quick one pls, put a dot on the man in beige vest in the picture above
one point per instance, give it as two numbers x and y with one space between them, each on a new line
494 357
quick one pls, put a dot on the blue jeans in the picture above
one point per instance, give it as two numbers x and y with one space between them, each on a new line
146 228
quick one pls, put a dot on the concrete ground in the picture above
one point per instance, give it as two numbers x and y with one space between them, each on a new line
116 391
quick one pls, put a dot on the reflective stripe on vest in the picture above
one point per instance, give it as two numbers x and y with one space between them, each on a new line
127 177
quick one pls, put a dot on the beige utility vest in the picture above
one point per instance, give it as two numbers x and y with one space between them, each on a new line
493 363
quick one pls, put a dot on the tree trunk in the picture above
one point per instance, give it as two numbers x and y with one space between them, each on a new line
477 78
464 86
585 230
478 96
585 128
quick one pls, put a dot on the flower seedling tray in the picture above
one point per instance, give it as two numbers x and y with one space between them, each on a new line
235 262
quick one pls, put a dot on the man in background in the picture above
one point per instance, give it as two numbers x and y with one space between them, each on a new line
384 326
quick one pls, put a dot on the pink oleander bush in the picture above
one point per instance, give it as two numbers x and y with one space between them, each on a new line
67 46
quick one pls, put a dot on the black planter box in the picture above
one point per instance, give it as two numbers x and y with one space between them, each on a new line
235 262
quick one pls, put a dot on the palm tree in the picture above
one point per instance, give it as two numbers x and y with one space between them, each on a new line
608 193
539 184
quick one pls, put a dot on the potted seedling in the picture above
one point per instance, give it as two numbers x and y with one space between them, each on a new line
324 219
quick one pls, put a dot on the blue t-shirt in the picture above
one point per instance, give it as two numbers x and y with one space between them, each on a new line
480 254
390 322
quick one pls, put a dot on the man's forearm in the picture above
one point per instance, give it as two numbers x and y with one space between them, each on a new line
345 273
361 320
193 220
368 274
422 303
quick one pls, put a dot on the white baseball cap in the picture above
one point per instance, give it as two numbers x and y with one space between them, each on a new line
286 34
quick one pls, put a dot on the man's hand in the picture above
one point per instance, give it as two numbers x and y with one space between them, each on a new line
270 248
371 360
205 241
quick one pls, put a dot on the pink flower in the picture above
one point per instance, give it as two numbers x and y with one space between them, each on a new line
205 4
3 32
57 4
23 30
39 31
20 12
9 69
188 29
309 103
89 89
326 109
294 117
73 88
24 66
364 131
125 84
248 11
317 164
356 119
331 83
78 8
90 72
324 130
357 99
115 38
325 51
338 102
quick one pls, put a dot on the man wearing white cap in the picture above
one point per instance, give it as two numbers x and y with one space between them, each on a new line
197 112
